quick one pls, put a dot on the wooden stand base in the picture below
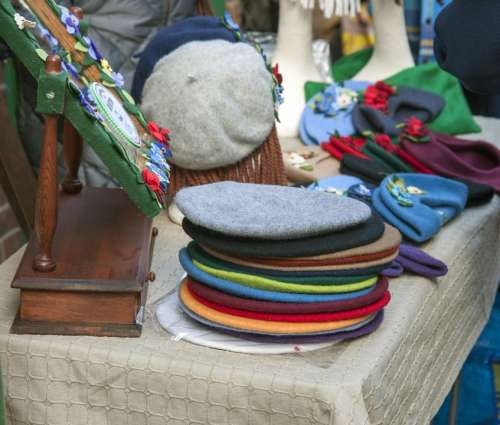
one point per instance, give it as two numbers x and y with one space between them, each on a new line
102 247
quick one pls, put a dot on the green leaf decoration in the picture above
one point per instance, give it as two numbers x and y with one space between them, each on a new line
88 60
143 121
42 54
126 96
106 78
54 6
105 83
77 66
81 47
133 109
73 87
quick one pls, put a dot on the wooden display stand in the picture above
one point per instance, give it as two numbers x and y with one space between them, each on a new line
87 266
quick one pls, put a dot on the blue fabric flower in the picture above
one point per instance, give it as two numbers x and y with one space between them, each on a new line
47 36
70 21
89 105
71 70
93 51
229 22
118 79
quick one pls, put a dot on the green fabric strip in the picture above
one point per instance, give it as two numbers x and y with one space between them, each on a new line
260 282
197 253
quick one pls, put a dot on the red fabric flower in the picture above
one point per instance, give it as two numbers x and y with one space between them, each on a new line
277 75
415 128
151 180
385 142
377 96
385 88
158 133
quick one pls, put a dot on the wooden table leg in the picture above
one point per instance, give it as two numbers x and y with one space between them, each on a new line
47 191
73 147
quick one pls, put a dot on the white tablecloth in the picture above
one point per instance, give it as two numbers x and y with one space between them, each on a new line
398 375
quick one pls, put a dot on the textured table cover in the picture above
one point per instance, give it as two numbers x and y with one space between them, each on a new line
398 375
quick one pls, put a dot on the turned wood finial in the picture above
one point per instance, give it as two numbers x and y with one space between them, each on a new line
47 190
53 64
77 11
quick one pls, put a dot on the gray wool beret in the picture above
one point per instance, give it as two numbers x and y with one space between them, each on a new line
269 212
216 98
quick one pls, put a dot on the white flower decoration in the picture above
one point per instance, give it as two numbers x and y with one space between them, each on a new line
22 22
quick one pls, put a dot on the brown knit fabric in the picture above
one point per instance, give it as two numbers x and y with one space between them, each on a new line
263 166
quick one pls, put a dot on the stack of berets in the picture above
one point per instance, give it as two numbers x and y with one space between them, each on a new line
283 264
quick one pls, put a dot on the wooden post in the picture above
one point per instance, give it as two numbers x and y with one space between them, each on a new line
73 147
47 191
72 144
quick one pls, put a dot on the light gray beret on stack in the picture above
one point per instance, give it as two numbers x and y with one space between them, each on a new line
269 212
216 98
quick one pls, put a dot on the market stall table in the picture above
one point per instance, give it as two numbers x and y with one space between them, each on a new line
398 375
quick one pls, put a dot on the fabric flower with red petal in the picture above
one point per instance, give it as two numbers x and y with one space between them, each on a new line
385 142
277 75
377 96
385 88
415 130
151 180
158 133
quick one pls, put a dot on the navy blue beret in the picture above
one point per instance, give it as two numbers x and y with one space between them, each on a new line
198 28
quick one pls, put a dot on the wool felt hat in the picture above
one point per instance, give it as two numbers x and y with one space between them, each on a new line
418 205
413 260
306 262
374 172
197 253
222 114
291 266
294 318
262 326
366 169
267 211
361 268
405 103
249 304
369 328
449 156
363 234
256 281
387 159
217 133
225 326
168 39
329 112
391 238
260 294
455 118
